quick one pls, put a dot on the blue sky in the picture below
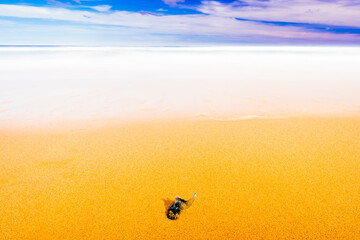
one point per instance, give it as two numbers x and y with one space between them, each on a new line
180 22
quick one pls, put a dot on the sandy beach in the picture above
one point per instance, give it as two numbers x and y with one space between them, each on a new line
95 143
293 178
179 119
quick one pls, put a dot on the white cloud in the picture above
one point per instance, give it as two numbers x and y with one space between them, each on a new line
102 8
184 25
338 13
173 2
7 23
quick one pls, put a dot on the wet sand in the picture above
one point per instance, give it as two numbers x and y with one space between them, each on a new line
296 178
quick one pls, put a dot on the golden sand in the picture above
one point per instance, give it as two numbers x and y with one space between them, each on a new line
254 179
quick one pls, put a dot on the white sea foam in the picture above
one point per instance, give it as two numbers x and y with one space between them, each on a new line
51 84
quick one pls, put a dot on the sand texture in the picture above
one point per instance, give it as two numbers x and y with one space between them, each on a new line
255 179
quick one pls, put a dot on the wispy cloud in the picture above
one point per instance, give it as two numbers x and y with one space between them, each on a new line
336 12
102 8
218 23
7 23
55 2
59 2
172 2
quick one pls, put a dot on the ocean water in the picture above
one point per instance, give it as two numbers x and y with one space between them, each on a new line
65 84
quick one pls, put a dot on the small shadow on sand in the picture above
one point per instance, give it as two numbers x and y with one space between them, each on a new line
167 204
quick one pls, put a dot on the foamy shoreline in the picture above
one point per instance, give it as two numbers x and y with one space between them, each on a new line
75 84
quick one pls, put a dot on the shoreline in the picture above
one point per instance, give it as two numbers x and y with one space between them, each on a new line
104 123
